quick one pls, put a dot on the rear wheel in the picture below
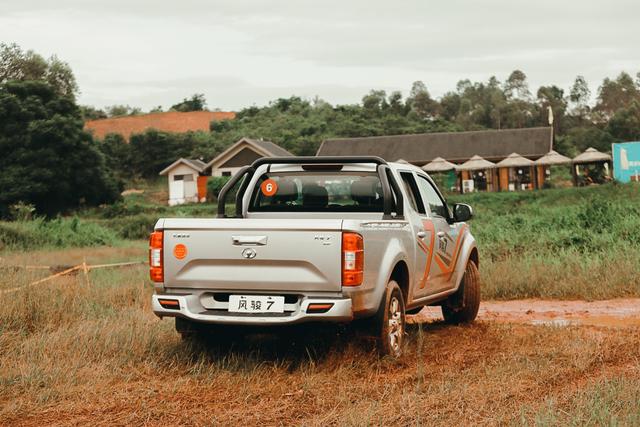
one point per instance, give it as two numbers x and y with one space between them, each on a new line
188 330
391 321
462 307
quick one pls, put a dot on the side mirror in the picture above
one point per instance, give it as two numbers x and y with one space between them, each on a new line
462 212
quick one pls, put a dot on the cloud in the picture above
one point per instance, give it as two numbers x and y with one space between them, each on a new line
249 51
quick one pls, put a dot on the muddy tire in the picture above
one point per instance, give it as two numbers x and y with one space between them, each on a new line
391 322
462 307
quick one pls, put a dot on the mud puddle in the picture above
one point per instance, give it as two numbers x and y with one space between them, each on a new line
613 313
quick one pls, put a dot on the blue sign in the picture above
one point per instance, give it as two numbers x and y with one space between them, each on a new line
626 161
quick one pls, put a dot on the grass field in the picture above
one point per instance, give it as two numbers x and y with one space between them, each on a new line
559 243
562 243
89 351
86 349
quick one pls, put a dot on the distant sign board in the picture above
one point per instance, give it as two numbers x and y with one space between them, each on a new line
626 161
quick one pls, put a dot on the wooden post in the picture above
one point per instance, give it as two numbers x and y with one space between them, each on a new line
504 179
541 175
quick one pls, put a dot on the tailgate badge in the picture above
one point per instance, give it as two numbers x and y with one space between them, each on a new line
249 253
326 240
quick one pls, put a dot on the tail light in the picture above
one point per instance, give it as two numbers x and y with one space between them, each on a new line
156 270
352 259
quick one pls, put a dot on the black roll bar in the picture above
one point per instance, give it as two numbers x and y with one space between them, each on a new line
222 197
387 196
397 191
389 184
314 160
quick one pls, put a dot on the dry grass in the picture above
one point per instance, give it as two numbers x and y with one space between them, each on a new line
74 352
564 275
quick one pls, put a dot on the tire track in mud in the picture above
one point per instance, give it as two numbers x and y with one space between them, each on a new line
623 312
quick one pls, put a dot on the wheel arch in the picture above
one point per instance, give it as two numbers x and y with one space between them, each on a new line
475 256
400 274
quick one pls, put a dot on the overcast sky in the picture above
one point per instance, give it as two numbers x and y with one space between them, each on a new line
243 52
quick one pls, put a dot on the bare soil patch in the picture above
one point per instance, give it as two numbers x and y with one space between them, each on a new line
620 312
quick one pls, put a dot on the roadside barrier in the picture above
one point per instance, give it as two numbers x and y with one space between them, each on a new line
68 270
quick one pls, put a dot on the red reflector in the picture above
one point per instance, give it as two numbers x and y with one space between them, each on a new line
170 304
319 308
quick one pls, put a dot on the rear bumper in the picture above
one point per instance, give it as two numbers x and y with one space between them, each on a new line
191 308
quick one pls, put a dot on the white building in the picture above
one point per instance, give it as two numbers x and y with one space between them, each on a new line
243 153
186 185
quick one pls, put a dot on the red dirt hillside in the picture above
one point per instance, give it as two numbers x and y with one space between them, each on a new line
172 121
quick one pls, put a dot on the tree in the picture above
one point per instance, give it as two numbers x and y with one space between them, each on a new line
516 86
16 64
89 112
421 102
552 97
123 110
46 158
154 150
396 106
579 96
578 139
625 123
616 94
197 102
118 156
375 101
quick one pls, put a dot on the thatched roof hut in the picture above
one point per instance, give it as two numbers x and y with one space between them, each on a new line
476 163
553 158
514 160
591 155
439 165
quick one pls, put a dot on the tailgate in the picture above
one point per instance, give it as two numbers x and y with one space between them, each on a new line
253 254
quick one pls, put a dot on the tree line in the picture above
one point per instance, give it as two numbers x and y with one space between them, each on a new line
42 145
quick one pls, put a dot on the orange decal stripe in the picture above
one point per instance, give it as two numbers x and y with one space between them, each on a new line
454 259
428 226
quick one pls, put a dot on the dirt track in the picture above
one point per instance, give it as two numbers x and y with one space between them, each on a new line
617 312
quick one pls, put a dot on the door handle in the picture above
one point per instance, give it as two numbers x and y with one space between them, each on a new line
440 234
421 234
249 240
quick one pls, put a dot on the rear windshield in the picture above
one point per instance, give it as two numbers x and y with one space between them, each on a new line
317 192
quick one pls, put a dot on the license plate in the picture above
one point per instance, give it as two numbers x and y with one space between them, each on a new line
256 304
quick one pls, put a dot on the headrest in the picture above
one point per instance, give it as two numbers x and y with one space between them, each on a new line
287 191
314 196
366 191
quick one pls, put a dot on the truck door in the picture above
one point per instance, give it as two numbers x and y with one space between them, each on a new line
447 235
424 271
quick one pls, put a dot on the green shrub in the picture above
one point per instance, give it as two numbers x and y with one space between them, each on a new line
133 227
59 233
214 186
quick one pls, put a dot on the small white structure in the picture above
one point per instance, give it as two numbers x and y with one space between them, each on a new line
243 153
183 177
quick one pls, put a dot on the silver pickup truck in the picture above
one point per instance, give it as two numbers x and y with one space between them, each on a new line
323 239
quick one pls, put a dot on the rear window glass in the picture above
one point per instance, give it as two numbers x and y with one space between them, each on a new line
317 192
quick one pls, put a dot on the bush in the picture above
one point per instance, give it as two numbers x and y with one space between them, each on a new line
21 211
133 227
214 186
58 233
